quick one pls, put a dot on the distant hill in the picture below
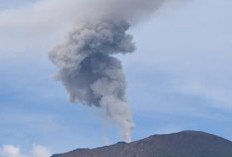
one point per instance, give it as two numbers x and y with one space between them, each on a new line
182 144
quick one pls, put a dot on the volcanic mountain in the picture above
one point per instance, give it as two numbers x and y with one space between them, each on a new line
182 144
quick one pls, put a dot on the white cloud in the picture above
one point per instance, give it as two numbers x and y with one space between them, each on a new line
10 151
36 27
40 151
14 151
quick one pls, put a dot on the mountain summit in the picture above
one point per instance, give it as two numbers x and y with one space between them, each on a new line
182 144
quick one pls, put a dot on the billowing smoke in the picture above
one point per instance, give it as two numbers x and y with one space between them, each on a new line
91 74
86 60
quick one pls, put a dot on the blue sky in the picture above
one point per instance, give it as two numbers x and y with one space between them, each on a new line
179 78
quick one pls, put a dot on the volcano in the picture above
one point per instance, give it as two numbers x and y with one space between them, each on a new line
182 144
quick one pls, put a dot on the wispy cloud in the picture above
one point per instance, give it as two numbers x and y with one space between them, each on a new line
35 27
14 151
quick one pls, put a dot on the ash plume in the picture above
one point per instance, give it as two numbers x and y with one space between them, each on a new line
86 59
91 75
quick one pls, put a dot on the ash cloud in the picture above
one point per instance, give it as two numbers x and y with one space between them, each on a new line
86 59
91 75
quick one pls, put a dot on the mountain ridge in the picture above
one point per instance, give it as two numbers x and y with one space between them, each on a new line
185 143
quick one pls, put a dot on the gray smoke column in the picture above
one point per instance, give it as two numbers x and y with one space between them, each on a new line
86 60
91 75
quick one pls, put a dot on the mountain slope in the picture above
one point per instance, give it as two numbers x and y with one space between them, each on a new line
183 144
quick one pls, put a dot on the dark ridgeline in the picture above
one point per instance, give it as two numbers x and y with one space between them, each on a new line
183 144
